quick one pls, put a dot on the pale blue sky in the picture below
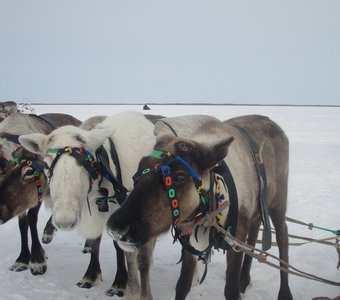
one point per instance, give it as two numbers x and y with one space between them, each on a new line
212 51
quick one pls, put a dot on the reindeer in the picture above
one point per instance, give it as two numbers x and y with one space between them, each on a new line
173 184
22 188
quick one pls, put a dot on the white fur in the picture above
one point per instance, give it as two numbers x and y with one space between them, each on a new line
133 137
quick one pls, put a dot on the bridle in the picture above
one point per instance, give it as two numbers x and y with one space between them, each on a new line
167 160
81 155
165 167
210 202
96 167
38 170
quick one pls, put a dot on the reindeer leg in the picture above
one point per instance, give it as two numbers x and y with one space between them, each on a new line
133 285
234 262
49 232
22 261
282 242
93 273
245 271
87 246
119 284
144 259
38 263
185 280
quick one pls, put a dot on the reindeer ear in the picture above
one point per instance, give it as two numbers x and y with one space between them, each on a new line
96 137
183 148
35 142
212 155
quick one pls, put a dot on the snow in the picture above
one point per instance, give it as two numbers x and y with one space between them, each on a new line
314 189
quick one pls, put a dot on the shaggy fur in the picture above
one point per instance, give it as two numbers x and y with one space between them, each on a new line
213 142
18 191
133 137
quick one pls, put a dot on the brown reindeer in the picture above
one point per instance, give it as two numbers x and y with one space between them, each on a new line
149 210
18 189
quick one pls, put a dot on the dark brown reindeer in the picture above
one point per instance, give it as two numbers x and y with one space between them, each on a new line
149 210
19 191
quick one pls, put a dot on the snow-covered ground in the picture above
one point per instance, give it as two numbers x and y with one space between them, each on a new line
314 189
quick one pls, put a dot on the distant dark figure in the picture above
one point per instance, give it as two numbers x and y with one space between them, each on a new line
146 107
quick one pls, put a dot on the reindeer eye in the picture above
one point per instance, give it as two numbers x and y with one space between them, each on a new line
180 178
29 172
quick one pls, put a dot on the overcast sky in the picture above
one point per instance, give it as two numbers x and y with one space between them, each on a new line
212 51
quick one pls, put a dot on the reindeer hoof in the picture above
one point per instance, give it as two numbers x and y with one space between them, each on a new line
115 291
86 283
18 267
87 249
38 268
47 238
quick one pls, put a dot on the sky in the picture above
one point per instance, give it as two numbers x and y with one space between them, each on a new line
162 51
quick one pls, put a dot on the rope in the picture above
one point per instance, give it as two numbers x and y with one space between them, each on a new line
308 240
311 226
261 256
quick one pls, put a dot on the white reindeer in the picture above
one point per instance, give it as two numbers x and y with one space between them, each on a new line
74 190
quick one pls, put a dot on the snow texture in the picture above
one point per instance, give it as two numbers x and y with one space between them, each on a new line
314 189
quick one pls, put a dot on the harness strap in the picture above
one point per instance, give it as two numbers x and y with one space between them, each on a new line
169 126
54 124
117 183
81 155
187 247
223 170
91 168
14 138
261 172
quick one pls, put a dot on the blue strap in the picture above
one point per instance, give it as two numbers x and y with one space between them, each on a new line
192 172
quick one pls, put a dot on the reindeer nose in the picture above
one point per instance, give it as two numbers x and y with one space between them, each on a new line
65 220
116 232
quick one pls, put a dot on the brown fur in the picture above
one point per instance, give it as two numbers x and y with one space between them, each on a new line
18 191
14 196
146 212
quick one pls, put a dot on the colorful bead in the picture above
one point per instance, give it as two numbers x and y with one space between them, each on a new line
175 212
174 203
147 170
168 181
171 193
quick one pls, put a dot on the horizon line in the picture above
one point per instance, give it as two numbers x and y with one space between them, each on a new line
182 104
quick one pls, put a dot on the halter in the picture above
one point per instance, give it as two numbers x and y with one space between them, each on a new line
208 209
38 169
82 156
167 159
